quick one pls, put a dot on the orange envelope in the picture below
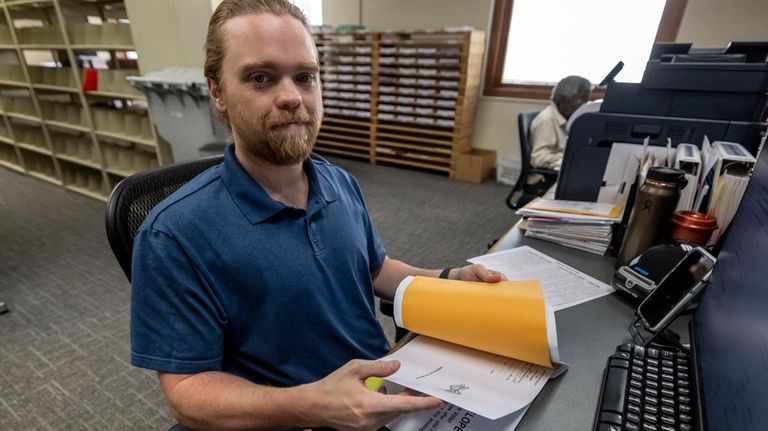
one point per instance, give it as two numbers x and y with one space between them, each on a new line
506 318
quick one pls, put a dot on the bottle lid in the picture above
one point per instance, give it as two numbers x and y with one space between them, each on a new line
661 173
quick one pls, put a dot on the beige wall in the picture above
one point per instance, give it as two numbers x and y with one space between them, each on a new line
706 23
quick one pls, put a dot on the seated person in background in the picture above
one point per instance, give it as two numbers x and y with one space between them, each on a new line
253 284
548 135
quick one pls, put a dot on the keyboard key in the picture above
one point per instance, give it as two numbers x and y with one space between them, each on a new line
683 399
685 418
639 352
631 426
608 427
652 409
652 376
637 376
683 376
667 363
683 383
652 369
650 418
668 420
636 392
682 368
667 354
650 427
653 384
685 408
684 427
651 400
684 391
614 388
666 428
626 347
636 383
638 363
635 399
667 401
667 393
667 385
616 362
668 410
634 408
612 418
667 370
653 353
633 417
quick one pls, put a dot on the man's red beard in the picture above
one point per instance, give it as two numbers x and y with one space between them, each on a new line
280 145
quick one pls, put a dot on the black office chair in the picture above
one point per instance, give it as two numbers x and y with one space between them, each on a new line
524 120
134 197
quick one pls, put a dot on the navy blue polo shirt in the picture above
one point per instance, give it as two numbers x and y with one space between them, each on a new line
225 278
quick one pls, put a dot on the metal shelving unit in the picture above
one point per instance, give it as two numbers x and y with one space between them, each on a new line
69 117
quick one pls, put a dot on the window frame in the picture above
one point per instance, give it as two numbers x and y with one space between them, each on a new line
669 25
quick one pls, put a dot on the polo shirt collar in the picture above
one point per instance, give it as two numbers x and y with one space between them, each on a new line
255 202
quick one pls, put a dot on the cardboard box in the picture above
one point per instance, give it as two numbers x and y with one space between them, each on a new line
475 166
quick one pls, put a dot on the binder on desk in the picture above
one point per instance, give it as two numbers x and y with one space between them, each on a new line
688 159
729 166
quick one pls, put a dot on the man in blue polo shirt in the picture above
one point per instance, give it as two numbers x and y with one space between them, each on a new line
253 284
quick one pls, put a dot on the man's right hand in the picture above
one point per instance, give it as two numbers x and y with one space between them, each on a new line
342 401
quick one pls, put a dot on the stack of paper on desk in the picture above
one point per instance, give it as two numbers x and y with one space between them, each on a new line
582 225
487 348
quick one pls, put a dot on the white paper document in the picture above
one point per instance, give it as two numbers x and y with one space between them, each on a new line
487 384
562 285
450 418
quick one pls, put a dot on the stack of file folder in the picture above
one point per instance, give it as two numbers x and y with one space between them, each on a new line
586 226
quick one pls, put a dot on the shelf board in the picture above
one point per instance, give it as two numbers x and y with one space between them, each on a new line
116 95
343 119
55 88
75 127
363 149
11 165
415 139
10 3
136 140
8 46
343 153
78 161
438 150
10 83
365 141
87 192
24 117
42 46
119 172
329 126
6 140
44 177
421 130
105 47
34 148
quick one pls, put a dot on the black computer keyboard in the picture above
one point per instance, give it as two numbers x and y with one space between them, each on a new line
646 389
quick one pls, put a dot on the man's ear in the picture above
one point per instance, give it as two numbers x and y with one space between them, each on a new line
215 94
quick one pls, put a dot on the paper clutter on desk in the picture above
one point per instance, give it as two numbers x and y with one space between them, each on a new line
586 226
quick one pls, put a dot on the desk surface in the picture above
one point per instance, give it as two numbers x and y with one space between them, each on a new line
587 334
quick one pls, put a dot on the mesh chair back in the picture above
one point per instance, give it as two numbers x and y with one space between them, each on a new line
524 120
134 197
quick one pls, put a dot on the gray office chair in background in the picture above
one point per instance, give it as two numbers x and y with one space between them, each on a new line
526 193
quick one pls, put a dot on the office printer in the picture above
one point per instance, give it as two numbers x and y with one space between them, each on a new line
684 95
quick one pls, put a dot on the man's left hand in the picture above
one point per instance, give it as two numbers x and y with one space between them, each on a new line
476 272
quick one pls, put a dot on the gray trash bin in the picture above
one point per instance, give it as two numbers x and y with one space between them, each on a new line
178 101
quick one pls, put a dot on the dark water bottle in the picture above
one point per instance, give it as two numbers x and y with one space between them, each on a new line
655 203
